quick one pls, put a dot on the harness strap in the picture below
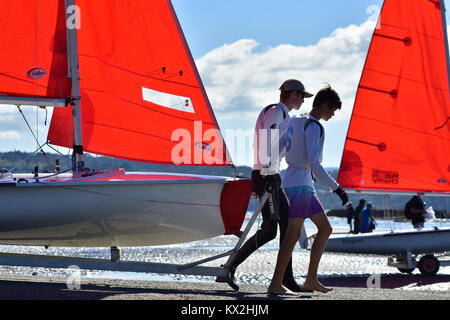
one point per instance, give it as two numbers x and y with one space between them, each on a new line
273 105
309 121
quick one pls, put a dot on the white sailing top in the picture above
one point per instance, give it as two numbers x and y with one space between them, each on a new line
267 153
304 149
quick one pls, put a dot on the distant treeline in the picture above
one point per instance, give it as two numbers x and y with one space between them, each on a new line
22 162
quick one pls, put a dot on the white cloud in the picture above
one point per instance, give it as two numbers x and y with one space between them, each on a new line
240 80
11 134
14 132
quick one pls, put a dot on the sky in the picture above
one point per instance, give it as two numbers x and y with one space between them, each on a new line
245 49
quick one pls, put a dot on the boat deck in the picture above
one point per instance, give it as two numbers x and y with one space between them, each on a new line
114 176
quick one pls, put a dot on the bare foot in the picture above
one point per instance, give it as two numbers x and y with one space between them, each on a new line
316 286
281 291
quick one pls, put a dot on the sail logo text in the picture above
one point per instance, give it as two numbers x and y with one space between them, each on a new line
36 73
385 177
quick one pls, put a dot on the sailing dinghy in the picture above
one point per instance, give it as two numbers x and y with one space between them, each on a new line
123 83
398 139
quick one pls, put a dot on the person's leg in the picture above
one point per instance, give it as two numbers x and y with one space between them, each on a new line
266 233
324 232
288 278
356 227
284 255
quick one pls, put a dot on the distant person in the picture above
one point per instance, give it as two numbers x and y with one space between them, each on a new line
415 210
358 209
350 215
266 175
367 220
304 147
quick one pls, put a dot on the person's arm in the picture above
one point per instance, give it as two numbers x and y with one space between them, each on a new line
418 211
273 119
273 116
283 138
314 153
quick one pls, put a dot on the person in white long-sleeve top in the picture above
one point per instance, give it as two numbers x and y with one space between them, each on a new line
271 123
304 145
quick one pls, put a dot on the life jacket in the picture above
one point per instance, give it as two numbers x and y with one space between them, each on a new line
309 121
273 105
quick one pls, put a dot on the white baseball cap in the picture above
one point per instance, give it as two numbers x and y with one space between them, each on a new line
294 85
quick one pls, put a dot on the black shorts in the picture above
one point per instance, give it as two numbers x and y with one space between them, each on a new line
283 208
277 206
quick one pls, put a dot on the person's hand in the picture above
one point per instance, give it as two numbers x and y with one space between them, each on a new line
342 194
257 184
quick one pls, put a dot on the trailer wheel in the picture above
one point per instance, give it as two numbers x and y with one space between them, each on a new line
402 270
428 265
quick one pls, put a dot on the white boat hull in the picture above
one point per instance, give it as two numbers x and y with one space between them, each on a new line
111 213
398 242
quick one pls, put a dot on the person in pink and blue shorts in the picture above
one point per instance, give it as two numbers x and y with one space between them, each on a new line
304 141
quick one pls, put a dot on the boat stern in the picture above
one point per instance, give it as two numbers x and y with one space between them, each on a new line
234 201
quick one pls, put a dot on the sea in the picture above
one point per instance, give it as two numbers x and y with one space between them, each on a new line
335 268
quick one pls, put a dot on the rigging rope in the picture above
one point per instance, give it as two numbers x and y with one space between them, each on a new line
39 147
29 156
388 213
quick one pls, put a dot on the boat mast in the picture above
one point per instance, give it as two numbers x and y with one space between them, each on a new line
444 27
72 48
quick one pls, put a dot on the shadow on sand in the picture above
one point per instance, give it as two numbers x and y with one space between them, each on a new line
30 290
385 281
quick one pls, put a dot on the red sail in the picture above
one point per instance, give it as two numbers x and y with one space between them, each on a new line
399 134
141 96
33 61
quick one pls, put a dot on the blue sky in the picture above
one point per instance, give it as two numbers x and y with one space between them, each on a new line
208 24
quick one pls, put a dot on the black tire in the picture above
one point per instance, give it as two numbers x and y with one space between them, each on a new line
406 270
428 265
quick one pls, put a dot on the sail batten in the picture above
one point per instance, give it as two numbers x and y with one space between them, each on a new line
398 138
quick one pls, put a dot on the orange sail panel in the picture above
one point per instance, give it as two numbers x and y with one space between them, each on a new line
33 61
141 96
399 134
